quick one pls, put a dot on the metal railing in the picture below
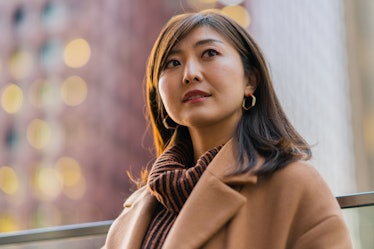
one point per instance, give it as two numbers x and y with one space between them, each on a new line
56 233
101 228
362 199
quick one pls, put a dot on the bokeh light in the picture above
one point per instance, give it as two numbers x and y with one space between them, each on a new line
202 4
45 94
239 14
72 178
69 170
77 53
40 93
74 91
8 222
20 64
38 133
11 98
9 182
47 183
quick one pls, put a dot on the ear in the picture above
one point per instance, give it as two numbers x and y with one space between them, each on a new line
249 90
252 83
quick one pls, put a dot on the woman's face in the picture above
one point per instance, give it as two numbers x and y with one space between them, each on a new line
203 82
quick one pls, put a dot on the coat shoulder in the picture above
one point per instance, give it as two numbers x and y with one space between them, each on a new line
299 170
300 193
301 184
300 174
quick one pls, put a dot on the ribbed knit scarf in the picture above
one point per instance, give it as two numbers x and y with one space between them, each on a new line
171 181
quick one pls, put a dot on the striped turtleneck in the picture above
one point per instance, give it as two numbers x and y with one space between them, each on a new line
171 180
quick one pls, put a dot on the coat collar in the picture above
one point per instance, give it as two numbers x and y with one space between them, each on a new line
212 203
226 162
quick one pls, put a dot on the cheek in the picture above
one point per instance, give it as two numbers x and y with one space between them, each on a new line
165 92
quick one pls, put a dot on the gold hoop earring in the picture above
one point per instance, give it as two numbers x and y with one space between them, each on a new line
244 104
166 125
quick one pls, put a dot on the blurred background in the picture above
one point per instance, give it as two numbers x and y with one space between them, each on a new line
72 112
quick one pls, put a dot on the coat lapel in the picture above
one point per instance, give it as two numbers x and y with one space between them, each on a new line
212 203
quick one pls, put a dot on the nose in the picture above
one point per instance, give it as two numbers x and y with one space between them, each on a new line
192 72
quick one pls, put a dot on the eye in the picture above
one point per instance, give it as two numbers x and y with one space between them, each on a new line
171 63
210 53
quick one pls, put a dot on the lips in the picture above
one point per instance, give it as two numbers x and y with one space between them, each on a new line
195 95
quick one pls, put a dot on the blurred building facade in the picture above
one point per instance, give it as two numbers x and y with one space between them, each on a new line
72 116
72 99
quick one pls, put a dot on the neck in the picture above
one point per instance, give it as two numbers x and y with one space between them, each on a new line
207 138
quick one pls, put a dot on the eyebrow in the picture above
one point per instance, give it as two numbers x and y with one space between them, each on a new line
206 41
197 44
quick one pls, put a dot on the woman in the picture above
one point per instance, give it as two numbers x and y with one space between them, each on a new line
231 170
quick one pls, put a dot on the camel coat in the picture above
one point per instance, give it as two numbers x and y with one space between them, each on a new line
293 208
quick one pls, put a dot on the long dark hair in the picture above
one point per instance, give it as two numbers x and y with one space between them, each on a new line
263 130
